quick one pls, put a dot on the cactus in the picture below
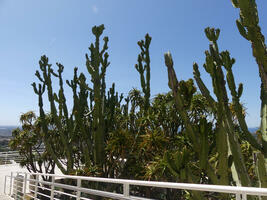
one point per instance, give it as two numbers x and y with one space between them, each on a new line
84 131
248 26
214 62
59 116
80 112
96 66
230 152
144 69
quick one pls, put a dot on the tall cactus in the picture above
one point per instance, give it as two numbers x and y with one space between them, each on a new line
143 67
83 131
80 112
60 116
96 66
248 26
225 131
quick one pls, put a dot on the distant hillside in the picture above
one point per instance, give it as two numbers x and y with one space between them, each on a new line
6 130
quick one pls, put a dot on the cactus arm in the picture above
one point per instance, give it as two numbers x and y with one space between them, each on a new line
235 145
80 106
262 170
144 57
147 66
221 137
212 175
204 90
263 127
173 84
261 163
46 77
62 102
235 149
196 195
213 67
83 107
228 63
47 142
222 148
248 26
233 140
98 79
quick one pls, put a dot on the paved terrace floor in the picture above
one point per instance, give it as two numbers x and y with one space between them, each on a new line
6 170
4 197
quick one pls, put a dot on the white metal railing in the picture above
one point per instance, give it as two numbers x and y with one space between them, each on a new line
20 185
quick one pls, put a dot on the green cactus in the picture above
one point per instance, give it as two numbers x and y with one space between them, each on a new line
248 26
57 115
214 62
173 84
213 66
80 111
144 69
83 131
230 153
96 66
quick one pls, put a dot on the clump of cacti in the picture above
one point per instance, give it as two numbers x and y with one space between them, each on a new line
82 131
229 154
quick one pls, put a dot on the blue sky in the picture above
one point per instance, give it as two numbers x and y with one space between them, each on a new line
61 29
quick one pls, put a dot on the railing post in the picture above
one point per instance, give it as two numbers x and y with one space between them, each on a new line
126 189
25 184
79 182
10 188
238 196
52 188
36 186
16 191
6 158
5 186
244 196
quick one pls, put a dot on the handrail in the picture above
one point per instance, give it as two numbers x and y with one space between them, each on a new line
24 179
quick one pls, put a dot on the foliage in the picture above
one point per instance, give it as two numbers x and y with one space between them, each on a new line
28 141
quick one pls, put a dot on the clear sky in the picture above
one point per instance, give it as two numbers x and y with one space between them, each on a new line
61 29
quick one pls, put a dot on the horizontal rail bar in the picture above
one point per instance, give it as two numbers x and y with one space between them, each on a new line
45 185
172 185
